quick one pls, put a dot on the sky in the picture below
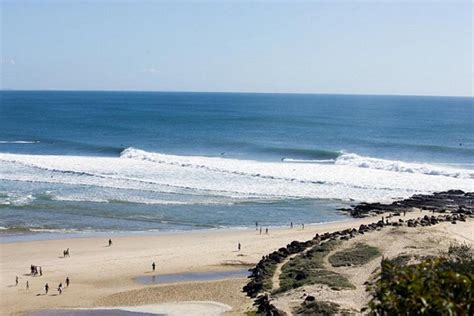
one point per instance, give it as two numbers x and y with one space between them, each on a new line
352 47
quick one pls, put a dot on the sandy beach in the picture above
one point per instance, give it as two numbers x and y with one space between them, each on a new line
103 276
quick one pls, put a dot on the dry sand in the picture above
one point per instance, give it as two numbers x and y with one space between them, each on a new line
102 276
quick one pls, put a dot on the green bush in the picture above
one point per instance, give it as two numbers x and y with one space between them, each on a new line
438 286
308 268
317 308
360 254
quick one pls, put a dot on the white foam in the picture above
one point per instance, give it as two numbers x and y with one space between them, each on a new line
19 141
349 159
308 160
16 199
231 178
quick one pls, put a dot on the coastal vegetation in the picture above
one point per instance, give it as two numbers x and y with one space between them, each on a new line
435 286
359 254
308 268
313 307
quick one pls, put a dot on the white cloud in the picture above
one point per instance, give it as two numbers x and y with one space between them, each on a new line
150 70
7 61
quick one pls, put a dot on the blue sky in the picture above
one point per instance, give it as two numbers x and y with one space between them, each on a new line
389 47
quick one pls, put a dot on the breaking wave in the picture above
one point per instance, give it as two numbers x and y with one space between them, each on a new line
19 141
400 166
348 177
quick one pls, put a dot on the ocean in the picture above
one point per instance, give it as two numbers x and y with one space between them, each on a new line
123 162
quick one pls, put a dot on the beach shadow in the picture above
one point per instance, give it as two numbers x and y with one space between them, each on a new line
13 285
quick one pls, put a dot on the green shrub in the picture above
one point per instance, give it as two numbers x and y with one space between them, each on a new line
317 308
268 272
360 254
308 268
433 287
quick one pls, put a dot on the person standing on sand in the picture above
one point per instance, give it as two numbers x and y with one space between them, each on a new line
16 280
110 242
46 288
291 224
27 285
302 225
266 230
41 271
67 281
256 225
239 246
153 265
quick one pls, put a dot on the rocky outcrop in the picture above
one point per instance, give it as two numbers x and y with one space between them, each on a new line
265 307
453 201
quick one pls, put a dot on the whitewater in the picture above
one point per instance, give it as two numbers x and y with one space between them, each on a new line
349 178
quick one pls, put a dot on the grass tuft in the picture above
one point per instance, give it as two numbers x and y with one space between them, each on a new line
308 268
359 255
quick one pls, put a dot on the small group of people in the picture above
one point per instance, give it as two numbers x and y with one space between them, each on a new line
35 270
260 230
60 286
17 281
291 225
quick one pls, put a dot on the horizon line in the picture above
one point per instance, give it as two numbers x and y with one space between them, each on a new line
238 92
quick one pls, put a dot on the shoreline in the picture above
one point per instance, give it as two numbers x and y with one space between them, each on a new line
104 276
7 238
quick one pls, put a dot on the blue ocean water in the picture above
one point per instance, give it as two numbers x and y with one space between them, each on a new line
140 161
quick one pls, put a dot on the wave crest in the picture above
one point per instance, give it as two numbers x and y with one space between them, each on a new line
355 160
348 177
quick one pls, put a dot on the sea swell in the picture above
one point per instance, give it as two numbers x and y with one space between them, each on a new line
349 177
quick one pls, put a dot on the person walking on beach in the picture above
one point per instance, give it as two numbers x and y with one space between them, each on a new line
256 225
67 281
110 242
291 224
41 271
153 265
60 289
16 280
266 230
302 225
239 246
46 288
260 230
27 285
